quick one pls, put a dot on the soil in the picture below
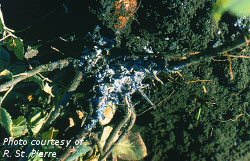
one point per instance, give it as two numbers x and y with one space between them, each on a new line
220 132
201 113
175 26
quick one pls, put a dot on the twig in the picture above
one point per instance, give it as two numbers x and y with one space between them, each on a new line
132 117
145 97
235 119
218 60
94 136
7 32
208 53
157 78
230 67
2 20
43 18
199 81
5 37
5 95
76 82
115 131
152 107
44 78
239 56
72 148
122 136
67 153
42 68
56 112
37 21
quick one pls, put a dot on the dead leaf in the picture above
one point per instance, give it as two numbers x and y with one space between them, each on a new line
80 114
108 113
48 89
4 72
130 7
132 147
30 97
71 122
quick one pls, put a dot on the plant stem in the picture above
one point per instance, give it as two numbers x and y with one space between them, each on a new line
122 136
115 131
56 112
42 68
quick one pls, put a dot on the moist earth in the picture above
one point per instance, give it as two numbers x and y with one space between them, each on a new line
194 123
202 112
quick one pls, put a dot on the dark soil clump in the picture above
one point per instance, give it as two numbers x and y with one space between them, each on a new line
197 123
202 110
172 27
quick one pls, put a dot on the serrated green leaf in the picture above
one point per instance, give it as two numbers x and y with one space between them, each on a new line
131 147
19 127
6 121
82 150
19 48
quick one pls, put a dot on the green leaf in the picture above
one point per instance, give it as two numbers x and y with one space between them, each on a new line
15 128
82 150
10 44
50 134
19 127
131 147
18 48
5 120
240 7
198 115
16 45
38 80
36 158
236 7
18 68
37 120
1 25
